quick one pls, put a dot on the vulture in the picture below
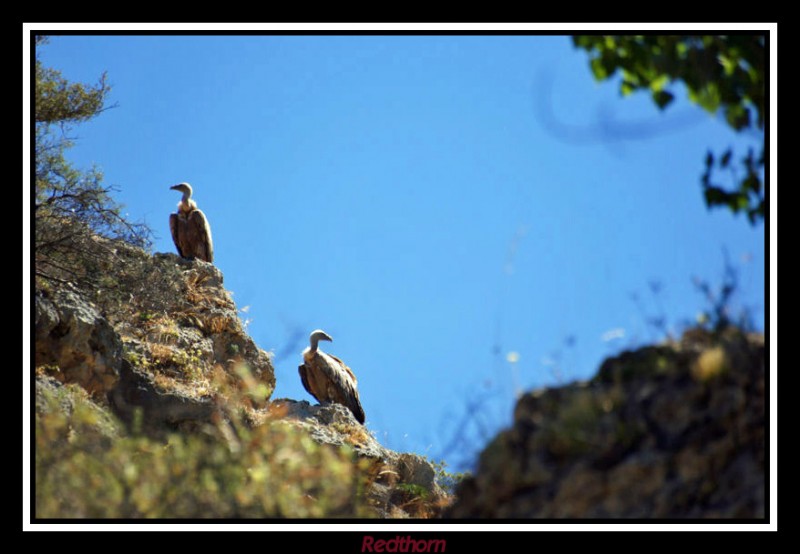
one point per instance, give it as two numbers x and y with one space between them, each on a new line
327 379
189 227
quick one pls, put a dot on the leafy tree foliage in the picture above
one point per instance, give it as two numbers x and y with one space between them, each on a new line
74 211
724 73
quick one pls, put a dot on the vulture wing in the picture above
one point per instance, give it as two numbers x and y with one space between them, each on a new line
342 384
199 235
175 229
304 379
347 369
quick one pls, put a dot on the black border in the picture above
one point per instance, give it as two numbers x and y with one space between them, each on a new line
324 537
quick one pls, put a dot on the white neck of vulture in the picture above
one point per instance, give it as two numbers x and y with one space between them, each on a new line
315 342
187 204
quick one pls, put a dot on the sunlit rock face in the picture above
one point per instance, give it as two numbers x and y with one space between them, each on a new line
158 349
161 337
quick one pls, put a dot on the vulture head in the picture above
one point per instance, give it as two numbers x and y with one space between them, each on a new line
317 336
185 188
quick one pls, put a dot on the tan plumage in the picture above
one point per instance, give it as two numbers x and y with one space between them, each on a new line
189 227
328 379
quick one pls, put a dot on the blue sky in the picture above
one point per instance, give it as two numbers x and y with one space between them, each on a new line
419 199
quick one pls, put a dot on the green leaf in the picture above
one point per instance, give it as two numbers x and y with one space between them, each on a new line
626 87
663 98
737 202
737 116
709 98
659 82
742 202
752 183
728 64
599 69
715 196
726 158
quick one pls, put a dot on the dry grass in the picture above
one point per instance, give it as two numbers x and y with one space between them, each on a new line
356 435
198 294
161 329
216 324
198 389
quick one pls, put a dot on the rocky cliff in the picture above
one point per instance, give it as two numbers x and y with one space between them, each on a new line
158 351
164 348
152 401
670 431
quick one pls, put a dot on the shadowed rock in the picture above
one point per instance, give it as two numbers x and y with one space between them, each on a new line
673 431
71 335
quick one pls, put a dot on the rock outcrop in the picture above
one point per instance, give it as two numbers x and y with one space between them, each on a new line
402 485
671 431
161 343
52 395
74 339
161 346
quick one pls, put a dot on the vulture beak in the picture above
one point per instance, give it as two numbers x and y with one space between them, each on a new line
319 334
